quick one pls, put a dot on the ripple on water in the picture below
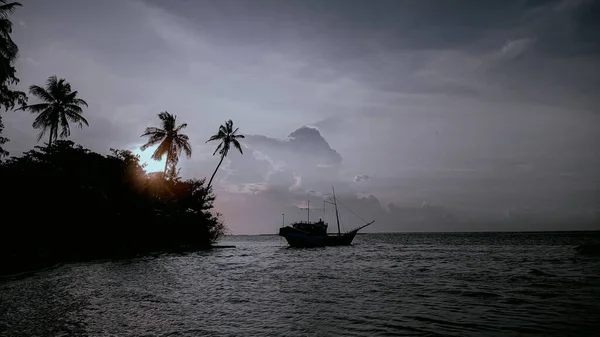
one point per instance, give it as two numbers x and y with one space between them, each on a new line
385 285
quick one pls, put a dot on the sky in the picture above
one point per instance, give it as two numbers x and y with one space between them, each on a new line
425 115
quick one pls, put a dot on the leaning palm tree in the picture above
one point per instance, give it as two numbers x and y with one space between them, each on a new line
227 135
172 142
61 107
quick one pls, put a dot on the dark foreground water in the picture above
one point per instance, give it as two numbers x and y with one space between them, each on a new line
384 285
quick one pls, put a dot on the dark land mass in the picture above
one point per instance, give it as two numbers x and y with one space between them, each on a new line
64 203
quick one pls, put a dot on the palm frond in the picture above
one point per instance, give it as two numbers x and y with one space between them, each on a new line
161 150
41 134
183 144
168 121
151 131
181 127
239 136
76 118
52 82
35 108
71 99
41 93
7 8
187 148
218 148
154 139
79 101
219 135
65 86
237 145
163 116
44 119
75 108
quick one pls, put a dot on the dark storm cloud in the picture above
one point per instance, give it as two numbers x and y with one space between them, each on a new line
404 24
473 109
569 28
468 49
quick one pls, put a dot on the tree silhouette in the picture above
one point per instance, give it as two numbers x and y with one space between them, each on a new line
61 107
172 142
126 211
227 136
8 55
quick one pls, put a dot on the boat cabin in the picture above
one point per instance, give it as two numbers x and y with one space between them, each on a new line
318 227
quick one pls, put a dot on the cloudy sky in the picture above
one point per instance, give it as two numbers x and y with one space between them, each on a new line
425 115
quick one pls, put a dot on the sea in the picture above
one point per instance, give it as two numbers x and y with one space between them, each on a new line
404 284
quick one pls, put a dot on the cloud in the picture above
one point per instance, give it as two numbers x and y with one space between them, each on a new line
432 100
515 48
305 146
246 188
298 163
297 183
570 4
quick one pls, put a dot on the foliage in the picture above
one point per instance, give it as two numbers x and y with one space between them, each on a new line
8 55
172 142
3 140
227 136
61 106
66 202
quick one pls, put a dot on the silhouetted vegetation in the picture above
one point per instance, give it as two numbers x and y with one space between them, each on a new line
64 202
8 55
228 136
61 106
172 142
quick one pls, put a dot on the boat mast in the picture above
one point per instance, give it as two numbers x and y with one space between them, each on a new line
308 210
337 216
282 220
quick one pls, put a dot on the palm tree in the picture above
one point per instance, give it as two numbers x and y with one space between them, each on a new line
8 55
9 52
8 47
227 136
172 142
61 107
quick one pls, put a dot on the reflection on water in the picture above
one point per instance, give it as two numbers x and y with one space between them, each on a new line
383 285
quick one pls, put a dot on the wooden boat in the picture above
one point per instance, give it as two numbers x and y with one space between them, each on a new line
314 234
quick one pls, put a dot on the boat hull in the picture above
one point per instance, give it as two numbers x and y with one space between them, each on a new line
300 239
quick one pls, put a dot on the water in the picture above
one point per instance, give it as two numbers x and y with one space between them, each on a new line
384 285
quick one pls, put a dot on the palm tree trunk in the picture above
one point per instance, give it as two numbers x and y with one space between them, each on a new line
213 175
50 139
166 166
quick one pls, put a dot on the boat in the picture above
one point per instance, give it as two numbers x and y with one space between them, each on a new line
304 234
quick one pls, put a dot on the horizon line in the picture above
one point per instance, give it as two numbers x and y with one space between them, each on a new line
453 232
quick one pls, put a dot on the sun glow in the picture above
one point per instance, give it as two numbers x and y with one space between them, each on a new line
146 158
